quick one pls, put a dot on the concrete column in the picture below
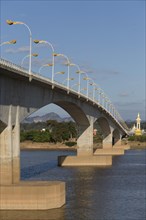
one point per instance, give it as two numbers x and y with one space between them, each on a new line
6 152
16 149
118 141
107 141
85 141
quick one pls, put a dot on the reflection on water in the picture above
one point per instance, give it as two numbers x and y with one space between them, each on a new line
113 193
54 214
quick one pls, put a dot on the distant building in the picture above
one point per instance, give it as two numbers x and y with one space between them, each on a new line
136 129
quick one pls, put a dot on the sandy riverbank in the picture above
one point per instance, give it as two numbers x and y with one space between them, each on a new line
45 146
60 146
137 145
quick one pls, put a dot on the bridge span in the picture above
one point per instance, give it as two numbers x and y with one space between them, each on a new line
21 95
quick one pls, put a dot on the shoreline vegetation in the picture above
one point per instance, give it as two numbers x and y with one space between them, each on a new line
26 145
56 135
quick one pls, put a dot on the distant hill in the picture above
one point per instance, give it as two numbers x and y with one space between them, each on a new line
46 117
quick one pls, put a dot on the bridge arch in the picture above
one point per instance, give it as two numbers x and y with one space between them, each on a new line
74 111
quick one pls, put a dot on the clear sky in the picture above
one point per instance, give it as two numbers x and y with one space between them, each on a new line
106 38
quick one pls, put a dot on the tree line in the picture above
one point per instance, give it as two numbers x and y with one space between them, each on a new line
50 131
53 131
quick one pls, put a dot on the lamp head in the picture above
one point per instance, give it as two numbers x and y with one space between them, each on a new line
49 64
13 42
85 78
36 41
35 55
56 54
9 22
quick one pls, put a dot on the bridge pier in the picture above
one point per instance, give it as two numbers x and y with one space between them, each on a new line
108 146
85 140
85 155
107 141
23 195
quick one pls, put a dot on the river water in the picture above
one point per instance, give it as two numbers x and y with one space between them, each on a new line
113 193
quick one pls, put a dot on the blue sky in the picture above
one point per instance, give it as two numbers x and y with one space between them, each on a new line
105 38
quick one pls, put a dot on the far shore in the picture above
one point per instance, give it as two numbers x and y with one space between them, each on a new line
45 146
26 145
137 145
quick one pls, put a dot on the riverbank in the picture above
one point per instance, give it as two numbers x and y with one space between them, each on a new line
44 146
60 146
137 145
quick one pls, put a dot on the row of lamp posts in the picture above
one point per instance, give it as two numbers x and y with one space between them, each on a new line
102 99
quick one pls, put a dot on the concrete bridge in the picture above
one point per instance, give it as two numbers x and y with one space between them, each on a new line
20 97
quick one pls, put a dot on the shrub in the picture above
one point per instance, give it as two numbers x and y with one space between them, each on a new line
70 143
36 136
137 138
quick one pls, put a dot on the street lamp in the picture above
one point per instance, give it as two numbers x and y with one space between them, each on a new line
98 92
33 55
93 84
87 79
47 64
78 72
8 42
67 79
68 64
10 22
108 104
76 84
103 97
46 42
61 72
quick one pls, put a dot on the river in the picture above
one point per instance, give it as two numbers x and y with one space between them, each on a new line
113 193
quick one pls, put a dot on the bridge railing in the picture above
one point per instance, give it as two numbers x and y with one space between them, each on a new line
109 109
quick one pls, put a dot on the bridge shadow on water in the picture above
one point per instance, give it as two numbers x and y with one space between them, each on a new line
36 170
54 214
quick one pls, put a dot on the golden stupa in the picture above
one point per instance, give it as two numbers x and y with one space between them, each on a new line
138 131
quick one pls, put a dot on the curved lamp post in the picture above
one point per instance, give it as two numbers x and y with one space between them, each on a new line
67 79
8 42
47 64
93 84
87 79
76 84
10 22
61 72
68 64
78 72
83 89
98 89
33 55
103 97
47 42
108 105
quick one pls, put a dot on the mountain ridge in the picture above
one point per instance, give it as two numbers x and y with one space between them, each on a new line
46 117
